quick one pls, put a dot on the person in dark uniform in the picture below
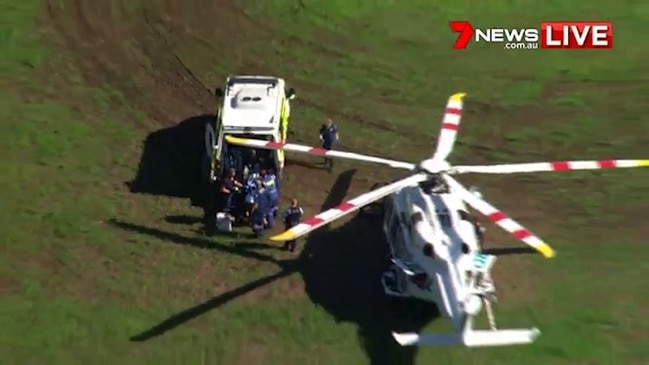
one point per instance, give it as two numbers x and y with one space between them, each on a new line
291 217
328 137
228 186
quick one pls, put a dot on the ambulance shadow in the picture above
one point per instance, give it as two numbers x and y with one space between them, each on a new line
183 219
342 268
172 161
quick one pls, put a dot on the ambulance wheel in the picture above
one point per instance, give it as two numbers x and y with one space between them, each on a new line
375 209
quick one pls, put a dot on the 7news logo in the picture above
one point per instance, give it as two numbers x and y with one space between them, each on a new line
551 35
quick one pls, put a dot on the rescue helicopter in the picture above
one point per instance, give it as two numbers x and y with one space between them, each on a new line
435 251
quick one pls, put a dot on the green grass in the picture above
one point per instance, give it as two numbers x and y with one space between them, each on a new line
75 287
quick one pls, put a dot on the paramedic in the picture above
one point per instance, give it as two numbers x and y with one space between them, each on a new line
292 217
251 192
270 183
251 181
228 186
260 209
328 137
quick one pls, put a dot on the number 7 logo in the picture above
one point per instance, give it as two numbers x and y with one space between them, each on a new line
466 32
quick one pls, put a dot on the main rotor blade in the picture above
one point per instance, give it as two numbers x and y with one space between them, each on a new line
498 217
548 166
317 151
347 207
450 125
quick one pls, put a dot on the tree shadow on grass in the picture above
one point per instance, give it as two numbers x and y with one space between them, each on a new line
172 161
341 269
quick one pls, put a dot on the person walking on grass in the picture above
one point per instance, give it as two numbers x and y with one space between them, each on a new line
291 217
328 138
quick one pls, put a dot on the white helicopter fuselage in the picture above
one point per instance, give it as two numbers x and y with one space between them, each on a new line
433 243
436 257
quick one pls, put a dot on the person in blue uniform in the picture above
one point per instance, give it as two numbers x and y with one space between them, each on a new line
261 215
251 181
291 217
251 193
328 137
270 183
259 210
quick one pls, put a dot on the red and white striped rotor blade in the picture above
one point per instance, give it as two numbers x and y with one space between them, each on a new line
317 151
347 207
450 125
499 218
548 166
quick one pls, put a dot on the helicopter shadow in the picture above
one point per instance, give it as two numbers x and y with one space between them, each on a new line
341 269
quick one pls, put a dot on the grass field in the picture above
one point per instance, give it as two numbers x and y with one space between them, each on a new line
100 96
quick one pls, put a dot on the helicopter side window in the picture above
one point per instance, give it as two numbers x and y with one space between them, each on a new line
416 218
428 251
464 215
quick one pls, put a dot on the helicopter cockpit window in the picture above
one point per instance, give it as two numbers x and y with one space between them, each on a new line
416 217
428 250
465 248
444 217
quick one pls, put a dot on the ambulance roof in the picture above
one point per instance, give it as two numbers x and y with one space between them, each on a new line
251 102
